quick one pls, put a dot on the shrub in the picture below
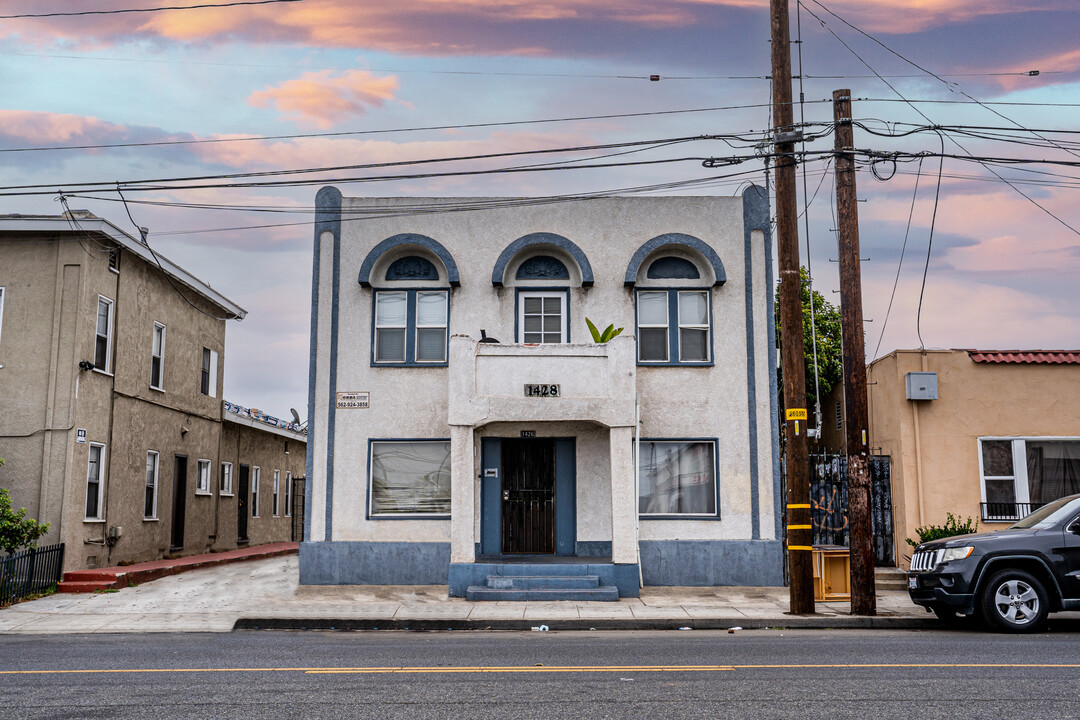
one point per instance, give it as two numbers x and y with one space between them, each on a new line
17 530
951 528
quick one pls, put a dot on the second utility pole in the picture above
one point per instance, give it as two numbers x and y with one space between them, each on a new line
800 556
863 599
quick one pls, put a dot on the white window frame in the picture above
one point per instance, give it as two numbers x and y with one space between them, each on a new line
226 479
100 517
444 326
202 477
288 494
665 326
277 494
564 305
154 484
1020 472
707 326
256 474
211 390
108 334
159 356
1 310
403 327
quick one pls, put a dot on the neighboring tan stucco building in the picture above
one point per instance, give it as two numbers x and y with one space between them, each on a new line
436 457
111 365
1001 435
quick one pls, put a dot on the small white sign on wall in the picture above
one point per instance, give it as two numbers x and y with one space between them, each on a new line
353 400
80 436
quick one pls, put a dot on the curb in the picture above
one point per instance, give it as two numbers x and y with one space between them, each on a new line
806 622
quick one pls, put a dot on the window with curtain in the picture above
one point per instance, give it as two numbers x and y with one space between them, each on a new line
411 326
674 327
677 478
410 478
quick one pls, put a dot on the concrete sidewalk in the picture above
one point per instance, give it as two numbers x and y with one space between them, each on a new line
266 594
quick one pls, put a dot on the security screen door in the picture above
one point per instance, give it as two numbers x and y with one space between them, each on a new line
528 496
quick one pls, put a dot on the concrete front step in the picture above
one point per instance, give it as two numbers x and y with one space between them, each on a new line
890 579
85 586
542 582
606 593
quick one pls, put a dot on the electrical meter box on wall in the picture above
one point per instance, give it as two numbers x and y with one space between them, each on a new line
921 385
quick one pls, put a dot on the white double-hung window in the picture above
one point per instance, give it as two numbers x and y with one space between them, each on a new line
542 316
150 500
95 482
157 357
103 335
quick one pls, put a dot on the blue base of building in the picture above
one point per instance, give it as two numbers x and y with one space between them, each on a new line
712 562
464 575
373 563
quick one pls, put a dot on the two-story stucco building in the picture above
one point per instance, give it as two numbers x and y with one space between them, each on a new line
464 425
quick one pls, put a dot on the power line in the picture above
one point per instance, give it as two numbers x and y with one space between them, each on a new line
146 10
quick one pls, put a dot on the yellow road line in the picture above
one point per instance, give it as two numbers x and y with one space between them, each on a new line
544 668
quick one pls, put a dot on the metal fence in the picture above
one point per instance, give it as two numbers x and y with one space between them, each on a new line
29 572
1007 512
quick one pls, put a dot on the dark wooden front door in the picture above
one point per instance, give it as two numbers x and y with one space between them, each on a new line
242 504
179 502
528 496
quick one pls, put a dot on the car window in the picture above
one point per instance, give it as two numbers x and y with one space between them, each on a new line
1050 514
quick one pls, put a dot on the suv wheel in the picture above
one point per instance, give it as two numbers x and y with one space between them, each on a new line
1014 601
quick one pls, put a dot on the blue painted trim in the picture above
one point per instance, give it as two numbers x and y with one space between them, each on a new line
673 328
432 246
517 313
410 329
670 267
756 217
367 496
593 548
328 218
462 575
490 496
689 563
374 563
565 496
426 269
675 240
533 269
716 479
542 239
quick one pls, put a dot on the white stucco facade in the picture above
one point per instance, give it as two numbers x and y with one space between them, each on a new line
592 259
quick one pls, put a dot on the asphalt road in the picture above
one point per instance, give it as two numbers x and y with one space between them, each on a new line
693 674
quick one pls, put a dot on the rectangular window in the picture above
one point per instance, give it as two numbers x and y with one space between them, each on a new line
288 494
1022 474
542 316
208 384
1 311
226 479
277 492
103 338
150 501
677 478
114 259
674 327
256 473
411 326
202 478
410 478
95 482
157 357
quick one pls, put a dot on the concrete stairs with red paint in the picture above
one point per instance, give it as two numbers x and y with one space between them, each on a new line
87 581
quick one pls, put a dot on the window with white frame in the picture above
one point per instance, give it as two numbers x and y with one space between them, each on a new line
674 327
1 311
411 326
288 494
208 380
409 477
226 478
95 482
202 478
542 316
256 473
1019 475
157 357
277 492
677 478
103 334
150 499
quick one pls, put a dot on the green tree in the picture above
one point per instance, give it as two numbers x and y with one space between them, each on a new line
17 530
830 352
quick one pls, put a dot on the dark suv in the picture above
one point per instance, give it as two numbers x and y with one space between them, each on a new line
1012 578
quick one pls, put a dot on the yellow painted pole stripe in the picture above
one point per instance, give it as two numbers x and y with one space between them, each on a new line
799 547
800 527
543 669
798 506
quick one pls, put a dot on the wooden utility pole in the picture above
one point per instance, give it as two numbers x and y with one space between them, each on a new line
799 539
863 593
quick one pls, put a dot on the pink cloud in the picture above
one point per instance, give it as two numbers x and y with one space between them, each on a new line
45 127
318 99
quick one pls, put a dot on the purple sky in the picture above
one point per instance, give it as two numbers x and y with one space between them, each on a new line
1003 268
